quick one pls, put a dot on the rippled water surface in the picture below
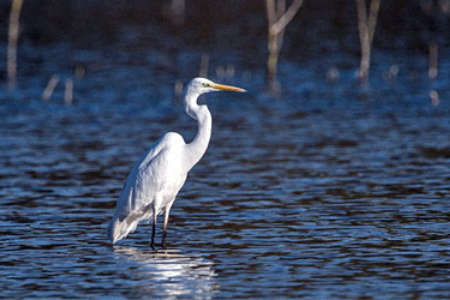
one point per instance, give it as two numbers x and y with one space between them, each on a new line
330 192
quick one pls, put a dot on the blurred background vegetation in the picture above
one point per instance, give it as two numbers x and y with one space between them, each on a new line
402 23
235 30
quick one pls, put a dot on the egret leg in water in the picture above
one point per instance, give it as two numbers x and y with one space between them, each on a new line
154 182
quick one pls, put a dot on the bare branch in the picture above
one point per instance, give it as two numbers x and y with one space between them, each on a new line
281 8
286 18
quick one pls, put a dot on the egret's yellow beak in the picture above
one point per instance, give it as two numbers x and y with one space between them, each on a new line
229 88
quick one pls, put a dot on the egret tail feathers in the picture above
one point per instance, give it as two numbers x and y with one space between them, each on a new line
119 229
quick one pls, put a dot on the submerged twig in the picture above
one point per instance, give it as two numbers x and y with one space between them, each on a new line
68 92
48 91
333 74
433 61
225 72
204 65
434 96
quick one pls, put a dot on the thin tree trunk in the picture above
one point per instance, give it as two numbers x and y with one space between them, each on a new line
13 37
366 27
278 18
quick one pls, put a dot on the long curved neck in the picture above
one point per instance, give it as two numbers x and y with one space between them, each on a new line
199 144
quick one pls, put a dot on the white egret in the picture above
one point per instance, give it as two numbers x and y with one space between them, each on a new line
154 182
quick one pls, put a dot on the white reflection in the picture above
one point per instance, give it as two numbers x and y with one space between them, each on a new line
169 273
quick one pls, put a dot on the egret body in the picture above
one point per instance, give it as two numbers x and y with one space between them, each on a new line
156 179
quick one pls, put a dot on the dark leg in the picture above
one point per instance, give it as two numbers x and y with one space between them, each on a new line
152 244
166 221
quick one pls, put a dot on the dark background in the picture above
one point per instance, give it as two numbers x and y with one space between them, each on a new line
321 26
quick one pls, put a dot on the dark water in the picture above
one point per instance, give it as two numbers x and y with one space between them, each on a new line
333 191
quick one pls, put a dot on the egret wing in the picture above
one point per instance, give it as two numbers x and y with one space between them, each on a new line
136 195
150 176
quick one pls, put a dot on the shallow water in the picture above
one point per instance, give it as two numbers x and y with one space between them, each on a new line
333 191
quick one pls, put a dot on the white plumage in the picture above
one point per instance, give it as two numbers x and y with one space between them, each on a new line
154 182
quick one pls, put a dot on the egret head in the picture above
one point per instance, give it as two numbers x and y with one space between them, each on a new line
202 85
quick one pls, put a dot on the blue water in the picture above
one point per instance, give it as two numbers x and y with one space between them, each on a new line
332 190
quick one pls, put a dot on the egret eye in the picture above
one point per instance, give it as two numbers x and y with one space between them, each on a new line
205 84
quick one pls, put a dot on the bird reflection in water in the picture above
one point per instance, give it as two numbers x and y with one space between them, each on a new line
170 273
